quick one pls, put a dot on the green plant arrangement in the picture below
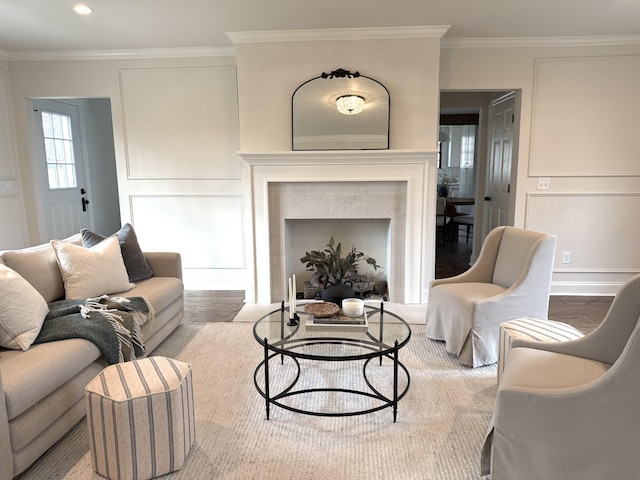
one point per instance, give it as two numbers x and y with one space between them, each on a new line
330 263
444 181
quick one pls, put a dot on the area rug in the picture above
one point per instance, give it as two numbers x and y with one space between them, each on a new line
438 434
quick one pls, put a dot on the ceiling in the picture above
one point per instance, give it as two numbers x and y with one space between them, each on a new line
52 26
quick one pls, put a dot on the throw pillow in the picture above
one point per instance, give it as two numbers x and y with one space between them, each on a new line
22 311
137 266
91 272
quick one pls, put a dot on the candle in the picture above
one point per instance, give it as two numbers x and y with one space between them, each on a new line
295 291
290 297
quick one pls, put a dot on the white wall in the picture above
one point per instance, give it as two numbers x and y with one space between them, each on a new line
175 136
13 231
579 114
144 93
268 74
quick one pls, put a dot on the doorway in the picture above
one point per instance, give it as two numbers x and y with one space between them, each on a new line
473 108
75 179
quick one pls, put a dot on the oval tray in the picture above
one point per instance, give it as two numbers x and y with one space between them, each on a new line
322 309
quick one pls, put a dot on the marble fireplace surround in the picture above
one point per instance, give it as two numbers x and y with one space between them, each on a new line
406 172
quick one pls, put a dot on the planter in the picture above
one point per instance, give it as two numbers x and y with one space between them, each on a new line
337 293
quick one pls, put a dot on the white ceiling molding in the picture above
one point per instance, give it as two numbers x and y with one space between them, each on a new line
338 34
325 34
147 53
515 42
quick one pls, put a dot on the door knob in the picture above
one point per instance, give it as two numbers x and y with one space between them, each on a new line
85 202
487 199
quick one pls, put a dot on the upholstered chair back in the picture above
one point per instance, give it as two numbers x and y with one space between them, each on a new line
517 247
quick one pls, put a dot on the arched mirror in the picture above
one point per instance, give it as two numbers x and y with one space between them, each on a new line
340 111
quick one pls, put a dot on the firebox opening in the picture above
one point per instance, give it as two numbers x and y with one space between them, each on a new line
371 236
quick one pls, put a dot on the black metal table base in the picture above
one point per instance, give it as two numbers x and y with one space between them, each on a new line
288 391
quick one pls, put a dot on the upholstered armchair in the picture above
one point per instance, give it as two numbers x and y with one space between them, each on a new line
570 409
511 278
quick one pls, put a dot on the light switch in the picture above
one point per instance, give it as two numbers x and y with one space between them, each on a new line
544 183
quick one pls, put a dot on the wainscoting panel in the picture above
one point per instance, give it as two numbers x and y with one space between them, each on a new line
599 230
181 122
11 212
579 130
207 230
7 165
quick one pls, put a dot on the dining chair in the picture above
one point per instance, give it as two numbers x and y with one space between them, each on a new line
442 221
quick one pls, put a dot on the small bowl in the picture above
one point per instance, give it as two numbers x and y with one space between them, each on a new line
353 307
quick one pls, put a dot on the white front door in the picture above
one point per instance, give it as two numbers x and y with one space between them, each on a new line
60 169
498 182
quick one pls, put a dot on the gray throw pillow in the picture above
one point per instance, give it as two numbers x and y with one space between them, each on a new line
134 260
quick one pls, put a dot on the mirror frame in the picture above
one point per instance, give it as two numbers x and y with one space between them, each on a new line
363 144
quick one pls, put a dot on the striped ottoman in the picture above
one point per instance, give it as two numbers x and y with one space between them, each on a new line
532 329
140 418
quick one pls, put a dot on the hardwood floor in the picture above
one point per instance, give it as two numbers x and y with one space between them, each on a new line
212 305
584 313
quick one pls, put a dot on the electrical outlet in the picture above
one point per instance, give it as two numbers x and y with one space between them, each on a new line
544 183
7 187
566 257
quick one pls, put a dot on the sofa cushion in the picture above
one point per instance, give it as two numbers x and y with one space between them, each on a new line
159 292
28 377
134 259
90 272
38 266
22 311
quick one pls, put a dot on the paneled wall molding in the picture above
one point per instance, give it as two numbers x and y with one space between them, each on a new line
567 137
591 227
203 115
207 230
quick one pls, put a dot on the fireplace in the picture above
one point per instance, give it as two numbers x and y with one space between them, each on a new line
393 186
370 235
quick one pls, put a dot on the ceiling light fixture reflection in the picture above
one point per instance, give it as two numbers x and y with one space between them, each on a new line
350 104
82 9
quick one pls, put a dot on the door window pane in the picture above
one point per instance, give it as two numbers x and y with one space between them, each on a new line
58 145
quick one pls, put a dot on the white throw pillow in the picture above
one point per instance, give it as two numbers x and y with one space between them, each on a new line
22 311
91 272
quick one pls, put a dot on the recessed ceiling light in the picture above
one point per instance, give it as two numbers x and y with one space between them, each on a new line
82 9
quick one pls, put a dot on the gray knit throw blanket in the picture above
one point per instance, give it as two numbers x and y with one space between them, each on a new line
111 323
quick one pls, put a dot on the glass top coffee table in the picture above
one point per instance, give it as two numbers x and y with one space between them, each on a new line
290 376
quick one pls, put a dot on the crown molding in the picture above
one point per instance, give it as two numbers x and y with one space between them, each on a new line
145 53
372 33
520 42
324 34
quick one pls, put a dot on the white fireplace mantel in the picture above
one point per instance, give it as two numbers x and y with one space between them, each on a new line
417 168
340 157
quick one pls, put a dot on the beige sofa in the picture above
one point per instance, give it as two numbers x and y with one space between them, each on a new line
42 388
